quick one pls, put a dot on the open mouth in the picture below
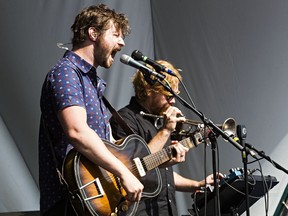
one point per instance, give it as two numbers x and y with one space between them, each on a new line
113 53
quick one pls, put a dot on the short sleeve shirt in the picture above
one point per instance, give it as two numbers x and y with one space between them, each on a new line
164 204
71 82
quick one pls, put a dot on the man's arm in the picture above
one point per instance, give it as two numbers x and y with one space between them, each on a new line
88 143
189 185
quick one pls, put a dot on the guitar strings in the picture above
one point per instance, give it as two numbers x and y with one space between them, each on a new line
154 160
149 162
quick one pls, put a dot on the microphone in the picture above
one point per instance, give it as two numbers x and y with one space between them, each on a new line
241 131
137 55
241 134
130 61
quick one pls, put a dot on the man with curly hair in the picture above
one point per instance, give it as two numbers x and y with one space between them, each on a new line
73 114
155 100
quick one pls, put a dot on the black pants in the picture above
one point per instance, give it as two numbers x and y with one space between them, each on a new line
62 208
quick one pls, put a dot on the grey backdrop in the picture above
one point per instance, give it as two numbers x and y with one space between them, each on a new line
233 55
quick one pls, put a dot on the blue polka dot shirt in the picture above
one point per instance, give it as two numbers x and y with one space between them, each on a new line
71 82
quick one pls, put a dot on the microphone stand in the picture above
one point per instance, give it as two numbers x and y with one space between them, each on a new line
216 131
213 141
242 133
246 149
203 118
263 155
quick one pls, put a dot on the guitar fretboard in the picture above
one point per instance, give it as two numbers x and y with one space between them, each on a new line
154 160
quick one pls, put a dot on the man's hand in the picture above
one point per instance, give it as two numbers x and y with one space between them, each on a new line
133 187
171 116
180 151
210 178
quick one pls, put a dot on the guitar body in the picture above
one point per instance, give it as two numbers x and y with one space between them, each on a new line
97 191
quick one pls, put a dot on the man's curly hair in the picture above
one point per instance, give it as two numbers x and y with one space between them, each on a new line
141 81
99 17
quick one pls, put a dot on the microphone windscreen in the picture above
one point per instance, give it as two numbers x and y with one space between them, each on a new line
137 55
124 59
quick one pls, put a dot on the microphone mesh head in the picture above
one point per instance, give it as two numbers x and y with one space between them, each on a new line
125 59
137 55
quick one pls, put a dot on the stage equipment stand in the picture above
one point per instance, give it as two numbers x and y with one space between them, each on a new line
242 134
247 148
214 145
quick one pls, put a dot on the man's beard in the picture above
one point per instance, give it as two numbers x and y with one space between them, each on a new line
102 55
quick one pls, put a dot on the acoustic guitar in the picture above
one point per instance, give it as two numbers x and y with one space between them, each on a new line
95 191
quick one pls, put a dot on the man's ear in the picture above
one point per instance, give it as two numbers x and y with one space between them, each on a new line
148 89
92 33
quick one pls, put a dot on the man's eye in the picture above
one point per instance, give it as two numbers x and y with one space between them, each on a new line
118 35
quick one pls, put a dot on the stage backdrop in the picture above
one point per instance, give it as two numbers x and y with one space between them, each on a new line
233 55
30 31
234 60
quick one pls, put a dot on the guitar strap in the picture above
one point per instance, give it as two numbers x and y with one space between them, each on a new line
128 130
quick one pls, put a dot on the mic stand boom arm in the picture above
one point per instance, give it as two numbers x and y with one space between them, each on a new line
248 147
225 136
205 120
263 155
216 131
244 149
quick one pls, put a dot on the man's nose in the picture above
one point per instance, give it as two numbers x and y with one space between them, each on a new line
121 42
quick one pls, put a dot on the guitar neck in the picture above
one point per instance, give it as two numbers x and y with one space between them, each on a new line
154 160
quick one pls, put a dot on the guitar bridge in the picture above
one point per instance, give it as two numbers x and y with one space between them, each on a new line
98 186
